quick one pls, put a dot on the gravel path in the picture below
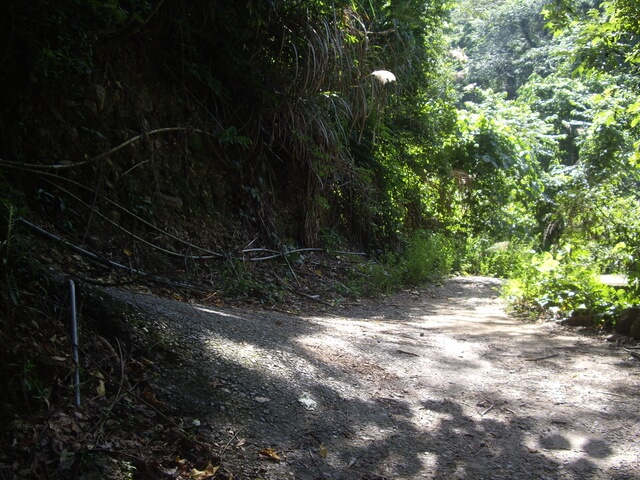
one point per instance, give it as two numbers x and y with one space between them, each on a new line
437 383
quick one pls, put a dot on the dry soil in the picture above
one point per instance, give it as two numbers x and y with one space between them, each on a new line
435 383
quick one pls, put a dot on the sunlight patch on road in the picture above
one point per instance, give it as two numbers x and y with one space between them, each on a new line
451 346
215 312
283 365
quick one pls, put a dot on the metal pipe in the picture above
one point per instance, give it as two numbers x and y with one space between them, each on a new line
74 340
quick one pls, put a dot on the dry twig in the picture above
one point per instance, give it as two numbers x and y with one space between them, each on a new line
541 358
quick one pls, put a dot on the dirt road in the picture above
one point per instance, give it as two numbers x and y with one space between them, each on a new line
437 383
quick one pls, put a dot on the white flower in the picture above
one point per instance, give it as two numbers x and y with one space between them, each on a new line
384 76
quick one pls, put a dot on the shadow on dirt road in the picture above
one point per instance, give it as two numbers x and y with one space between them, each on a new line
437 383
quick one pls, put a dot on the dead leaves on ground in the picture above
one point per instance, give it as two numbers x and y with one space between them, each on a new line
269 454
182 469
63 444
121 418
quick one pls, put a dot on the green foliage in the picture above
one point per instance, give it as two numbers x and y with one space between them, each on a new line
606 38
562 282
603 39
560 161
426 256
59 41
506 259
375 277
496 152
240 281
297 77
26 379
506 42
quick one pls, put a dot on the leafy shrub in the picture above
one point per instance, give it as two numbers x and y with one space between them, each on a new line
427 256
375 277
239 281
481 256
562 282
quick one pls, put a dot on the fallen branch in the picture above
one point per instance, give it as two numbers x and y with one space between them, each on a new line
404 352
486 411
66 166
142 240
235 435
211 254
279 254
110 263
631 352
75 248
541 358
310 297
479 451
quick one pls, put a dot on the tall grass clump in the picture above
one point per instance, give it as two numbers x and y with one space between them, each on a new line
427 256
482 256
375 277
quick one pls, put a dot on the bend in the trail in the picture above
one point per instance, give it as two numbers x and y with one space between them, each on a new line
436 383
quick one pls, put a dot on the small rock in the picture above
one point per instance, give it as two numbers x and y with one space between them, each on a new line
70 135
581 317
626 319
308 402
95 242
98 94
91 106
635 329
169 201
114 216
68 103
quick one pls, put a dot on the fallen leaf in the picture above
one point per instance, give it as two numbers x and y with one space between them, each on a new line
101 389
150 397
270 453
209 471
146 362
197 474
322 451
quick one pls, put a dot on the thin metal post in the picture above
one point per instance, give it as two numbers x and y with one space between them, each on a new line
74 340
